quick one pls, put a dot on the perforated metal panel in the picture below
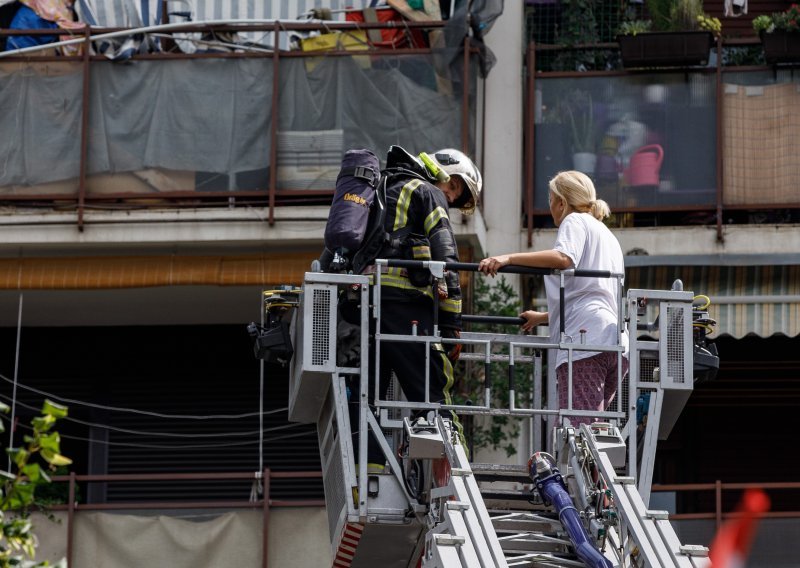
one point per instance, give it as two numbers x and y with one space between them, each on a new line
320 330
675 353
320 327
330 449
314 341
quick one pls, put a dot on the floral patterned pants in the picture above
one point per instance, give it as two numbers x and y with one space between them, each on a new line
594 384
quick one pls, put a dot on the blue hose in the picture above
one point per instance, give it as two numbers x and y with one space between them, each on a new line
551 487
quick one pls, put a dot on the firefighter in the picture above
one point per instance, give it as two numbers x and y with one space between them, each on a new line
418 222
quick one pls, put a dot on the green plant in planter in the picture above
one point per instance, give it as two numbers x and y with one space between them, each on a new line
788 21
673 16
684 15
634 27
780 35
763 23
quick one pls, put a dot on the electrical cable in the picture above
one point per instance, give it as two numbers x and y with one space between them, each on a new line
163 434
145 412
175 446
16 375
258 488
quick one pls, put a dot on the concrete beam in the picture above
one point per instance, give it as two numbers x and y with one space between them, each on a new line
174 230
742 245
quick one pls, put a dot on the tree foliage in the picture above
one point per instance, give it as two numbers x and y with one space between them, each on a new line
40 452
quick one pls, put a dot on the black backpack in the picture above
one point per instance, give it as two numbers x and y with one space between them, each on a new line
355 232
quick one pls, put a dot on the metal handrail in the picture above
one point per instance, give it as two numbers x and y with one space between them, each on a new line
718 487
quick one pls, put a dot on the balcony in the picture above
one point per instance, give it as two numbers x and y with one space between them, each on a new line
701 146
264 530
237 128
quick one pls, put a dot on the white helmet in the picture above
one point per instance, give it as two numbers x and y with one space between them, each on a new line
456 163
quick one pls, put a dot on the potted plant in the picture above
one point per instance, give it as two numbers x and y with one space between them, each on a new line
579 119
780 35
679 34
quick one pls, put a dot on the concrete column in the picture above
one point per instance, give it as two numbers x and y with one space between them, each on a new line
503 166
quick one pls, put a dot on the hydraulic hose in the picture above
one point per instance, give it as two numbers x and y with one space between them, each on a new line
553 491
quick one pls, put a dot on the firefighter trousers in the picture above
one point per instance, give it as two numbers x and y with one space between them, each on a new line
407 361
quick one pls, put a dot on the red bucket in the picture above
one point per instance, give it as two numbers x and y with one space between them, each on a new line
645 165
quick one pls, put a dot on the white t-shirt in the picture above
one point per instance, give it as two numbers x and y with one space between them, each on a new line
589 303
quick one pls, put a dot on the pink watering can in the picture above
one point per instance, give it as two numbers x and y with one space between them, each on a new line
644 165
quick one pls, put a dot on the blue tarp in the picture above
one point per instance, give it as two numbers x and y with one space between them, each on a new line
27 19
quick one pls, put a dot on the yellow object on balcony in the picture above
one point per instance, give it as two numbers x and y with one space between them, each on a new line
336 41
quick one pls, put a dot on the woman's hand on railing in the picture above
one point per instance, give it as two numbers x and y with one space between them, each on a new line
532 319
494 263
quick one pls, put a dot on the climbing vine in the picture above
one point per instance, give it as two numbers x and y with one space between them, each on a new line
18 488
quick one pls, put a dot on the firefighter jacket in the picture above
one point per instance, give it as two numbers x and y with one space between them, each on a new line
418 225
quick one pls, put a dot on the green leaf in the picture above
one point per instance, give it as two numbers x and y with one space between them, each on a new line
17 528
33 472
51 442
18 455
55 459
53 409
43 423
4 407
20 497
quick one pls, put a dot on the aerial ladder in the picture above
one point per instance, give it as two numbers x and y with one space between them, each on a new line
583 497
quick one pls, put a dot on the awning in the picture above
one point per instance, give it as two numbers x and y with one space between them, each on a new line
103 272
760 300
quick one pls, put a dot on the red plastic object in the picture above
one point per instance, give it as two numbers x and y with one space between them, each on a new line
391 38
645 165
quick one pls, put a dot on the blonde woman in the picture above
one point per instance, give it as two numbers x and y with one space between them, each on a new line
591 304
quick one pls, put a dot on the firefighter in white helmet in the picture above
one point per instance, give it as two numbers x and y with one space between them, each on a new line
463 189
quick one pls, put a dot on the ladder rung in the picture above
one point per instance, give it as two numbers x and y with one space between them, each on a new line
449 539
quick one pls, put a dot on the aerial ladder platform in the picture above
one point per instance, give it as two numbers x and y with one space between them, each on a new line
582 498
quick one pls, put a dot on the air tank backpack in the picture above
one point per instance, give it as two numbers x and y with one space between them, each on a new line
355 208
355 232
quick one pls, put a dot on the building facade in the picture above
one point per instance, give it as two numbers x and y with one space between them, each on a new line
142 219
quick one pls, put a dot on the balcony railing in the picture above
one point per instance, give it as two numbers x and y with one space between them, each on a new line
242 126
263 500
705 145
705 502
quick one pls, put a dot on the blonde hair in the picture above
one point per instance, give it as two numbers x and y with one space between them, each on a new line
577 190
